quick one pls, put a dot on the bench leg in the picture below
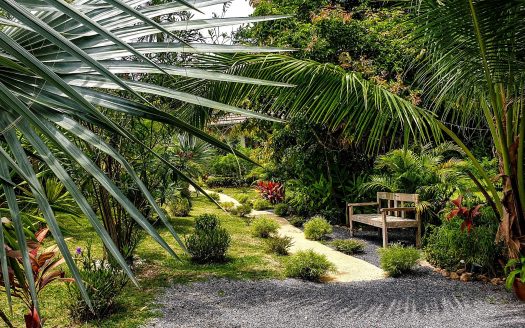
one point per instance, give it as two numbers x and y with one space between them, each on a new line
350 222
418 235
385 236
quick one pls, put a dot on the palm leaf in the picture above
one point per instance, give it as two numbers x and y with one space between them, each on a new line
58 60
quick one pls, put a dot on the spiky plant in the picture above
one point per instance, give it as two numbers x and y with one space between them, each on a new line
59 62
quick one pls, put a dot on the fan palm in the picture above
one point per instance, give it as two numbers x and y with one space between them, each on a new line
431 172
57 62
471 67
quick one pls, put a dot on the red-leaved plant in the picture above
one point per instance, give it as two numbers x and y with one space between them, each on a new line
271 191
45 269
465 213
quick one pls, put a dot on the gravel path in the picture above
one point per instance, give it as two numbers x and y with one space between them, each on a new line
422 300
373 241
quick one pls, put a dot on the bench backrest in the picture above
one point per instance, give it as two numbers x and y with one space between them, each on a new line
390 199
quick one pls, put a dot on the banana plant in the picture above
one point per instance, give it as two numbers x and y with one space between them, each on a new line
60 65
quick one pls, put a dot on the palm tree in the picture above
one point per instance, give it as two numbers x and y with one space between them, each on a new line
432 172
59 62
471 68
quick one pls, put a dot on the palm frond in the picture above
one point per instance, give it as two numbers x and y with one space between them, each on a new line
58 64
326 94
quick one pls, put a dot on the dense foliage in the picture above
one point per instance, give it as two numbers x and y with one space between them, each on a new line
397 259
264 227
308 265
317 228
209 242
450 247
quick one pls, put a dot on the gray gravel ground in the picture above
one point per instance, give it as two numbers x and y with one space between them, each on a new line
422 300
373 240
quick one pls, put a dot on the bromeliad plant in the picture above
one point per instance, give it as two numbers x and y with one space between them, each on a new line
59 62
44 268
271 191
467 214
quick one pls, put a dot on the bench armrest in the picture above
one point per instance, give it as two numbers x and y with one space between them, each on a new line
398 209
363 204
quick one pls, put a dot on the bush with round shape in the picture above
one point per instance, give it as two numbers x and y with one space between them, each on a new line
281 209
297 221
317 228
242 210
215 196
308 265
348 246
227 206
264 227
244 199
206 222
209 242
397 260
261 204
208 246
279 245
179 207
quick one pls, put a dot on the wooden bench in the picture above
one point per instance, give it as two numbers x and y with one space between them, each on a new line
391 213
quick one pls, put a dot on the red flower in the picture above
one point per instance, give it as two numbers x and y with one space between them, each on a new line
467 214
272 191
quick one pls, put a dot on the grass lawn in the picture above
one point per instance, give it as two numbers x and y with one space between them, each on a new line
236 192
248 260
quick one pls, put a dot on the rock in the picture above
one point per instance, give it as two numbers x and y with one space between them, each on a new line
437 270
445 273
482 277
461 271
495 281
454 276
465 277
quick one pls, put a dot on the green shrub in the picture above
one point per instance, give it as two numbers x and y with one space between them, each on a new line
208 246
244 199
281 209
297 221
308 265
264 227
228 206
446 246
226 181
215 196
317 228
348 246
279 245
206 222
397 260
261 204
209 242
229 165
242 210
179 206
103 285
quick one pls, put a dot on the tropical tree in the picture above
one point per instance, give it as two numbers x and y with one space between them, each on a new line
471 70
58 60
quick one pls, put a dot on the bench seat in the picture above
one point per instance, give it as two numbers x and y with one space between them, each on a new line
392 213
376 220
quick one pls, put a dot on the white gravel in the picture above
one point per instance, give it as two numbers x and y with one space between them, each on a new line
424 299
